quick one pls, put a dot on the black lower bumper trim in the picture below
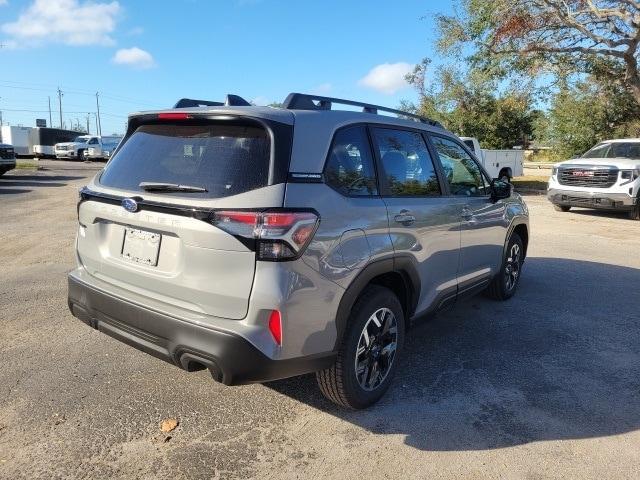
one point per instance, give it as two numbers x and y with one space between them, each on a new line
232 359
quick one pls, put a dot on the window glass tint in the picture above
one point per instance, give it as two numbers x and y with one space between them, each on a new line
462 173
615 150
350 165
406 162
224 159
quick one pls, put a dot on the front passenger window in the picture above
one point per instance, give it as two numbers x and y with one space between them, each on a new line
462 173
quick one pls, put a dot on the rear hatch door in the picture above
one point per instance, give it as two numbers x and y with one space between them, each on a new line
144 221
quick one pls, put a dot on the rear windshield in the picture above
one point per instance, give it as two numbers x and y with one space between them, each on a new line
224 159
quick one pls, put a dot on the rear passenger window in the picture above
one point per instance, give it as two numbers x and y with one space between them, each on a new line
350 165
407 165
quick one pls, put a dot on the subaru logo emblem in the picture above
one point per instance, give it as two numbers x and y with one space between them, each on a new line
130 205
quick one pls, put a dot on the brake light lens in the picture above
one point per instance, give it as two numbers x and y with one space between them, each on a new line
275 326
279 236
173 116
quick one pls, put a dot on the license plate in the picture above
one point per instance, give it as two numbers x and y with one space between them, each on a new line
141 247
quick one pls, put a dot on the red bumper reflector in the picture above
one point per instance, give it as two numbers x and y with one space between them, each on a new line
275 326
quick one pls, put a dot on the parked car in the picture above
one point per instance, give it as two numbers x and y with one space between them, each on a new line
221 237
7 158
504 164
606 177
77 149
104 149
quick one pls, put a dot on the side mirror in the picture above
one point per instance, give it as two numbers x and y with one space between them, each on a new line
500 189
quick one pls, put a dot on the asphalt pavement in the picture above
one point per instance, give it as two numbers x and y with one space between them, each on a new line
545 385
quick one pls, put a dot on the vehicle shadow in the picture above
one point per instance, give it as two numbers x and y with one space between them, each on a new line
558 361
598 213
33 181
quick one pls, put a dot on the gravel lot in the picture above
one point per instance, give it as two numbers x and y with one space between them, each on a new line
543 386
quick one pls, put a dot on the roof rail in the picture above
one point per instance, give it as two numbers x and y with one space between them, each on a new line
303 101
230 101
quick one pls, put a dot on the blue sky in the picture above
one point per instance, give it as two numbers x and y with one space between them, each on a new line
146 54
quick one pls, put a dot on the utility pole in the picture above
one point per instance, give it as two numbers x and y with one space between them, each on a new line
88 130
50 121
98 114
60 94
0 115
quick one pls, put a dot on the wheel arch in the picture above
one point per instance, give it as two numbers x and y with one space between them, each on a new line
397 274
507 170
522 229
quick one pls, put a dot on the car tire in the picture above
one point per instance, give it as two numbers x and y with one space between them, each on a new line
2 172
81 156
562 208
634 213
505 284
366 362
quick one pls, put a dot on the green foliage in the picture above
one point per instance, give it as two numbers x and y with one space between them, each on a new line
586 112
578 59
472 105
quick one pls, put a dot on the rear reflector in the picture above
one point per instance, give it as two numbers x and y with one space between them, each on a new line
173 116
275 326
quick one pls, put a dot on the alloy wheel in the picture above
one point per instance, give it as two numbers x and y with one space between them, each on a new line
376 349
512 267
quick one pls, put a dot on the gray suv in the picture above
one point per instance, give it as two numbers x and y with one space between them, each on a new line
262 243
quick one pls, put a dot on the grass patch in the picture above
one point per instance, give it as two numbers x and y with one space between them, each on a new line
26 165
532 182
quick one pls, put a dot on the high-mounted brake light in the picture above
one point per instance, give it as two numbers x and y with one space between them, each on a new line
281 235
173 116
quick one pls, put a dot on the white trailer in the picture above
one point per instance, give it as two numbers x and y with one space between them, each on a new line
497 163
18 137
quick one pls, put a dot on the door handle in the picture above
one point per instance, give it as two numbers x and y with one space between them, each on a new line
467 214
405 217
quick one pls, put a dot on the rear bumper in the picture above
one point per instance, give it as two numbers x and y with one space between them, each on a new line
603 200
232 359
7 165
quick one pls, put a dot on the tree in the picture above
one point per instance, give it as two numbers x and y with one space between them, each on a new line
472 104
586 112
565 36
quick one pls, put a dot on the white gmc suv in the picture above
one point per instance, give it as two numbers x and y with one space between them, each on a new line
606 177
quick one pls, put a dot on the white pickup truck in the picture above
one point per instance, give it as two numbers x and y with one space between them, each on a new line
104 149
607 177
497 163
78 148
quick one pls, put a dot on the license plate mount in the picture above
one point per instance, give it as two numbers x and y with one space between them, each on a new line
141 246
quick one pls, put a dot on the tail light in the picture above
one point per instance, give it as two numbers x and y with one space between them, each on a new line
278 235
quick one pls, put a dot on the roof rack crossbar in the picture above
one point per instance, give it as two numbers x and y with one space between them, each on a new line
230 101
303 101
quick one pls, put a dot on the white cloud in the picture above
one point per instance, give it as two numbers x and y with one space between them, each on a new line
3 2
64 21
134 57
387 77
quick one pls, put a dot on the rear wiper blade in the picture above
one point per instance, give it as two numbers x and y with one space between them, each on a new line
169 187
